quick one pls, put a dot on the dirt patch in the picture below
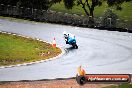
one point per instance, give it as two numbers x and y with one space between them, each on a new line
70 83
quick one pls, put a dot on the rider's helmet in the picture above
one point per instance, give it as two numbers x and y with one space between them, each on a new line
64 33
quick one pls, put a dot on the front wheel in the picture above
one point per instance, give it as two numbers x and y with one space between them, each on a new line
75 46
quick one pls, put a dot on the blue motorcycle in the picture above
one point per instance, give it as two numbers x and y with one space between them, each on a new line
71 41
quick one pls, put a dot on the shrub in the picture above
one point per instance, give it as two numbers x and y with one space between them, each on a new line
109 19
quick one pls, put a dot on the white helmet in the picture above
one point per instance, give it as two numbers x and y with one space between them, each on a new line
64 33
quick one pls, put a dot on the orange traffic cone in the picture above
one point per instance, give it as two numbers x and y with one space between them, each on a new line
81 71
54 43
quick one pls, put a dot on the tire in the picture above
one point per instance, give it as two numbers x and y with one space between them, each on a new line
67 42
81 80
75 46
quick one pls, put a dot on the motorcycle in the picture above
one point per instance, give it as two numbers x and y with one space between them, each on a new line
71 41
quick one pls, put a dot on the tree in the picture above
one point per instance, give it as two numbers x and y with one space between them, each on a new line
36 4
117 3
8 2
90 4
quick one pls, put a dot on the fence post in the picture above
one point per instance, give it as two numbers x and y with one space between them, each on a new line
109 22
117 24
126 24
1 9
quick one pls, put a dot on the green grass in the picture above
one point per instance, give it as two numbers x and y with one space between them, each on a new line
120 86
125 86
18 20
60 7
111 86
17 50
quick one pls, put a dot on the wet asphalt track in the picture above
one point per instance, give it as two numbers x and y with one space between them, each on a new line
99 52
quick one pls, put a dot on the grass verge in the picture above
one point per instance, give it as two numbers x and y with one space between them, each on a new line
17 50
18 20
120 86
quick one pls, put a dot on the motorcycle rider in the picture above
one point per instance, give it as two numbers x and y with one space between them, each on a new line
69 38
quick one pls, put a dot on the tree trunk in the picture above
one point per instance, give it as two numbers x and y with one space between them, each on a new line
91 18
92 10
91 13
83 6
85 10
